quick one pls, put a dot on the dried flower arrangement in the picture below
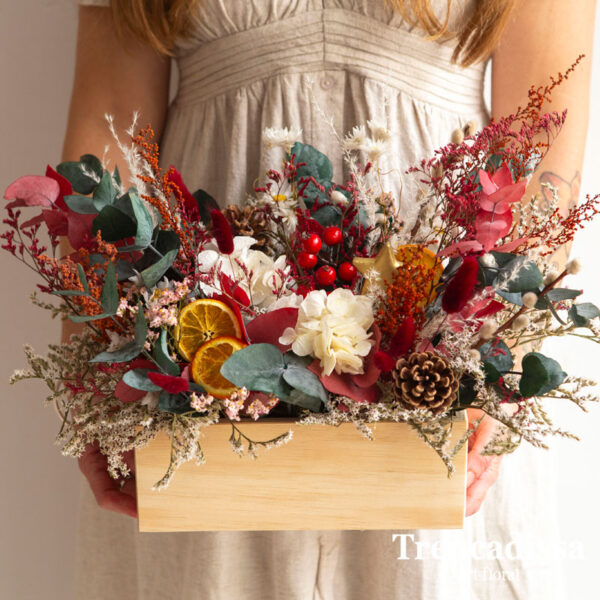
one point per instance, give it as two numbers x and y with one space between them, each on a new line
312 295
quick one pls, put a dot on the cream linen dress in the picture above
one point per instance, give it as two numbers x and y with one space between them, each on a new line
321 65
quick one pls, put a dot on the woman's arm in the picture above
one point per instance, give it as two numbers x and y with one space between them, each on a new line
118 78
543 38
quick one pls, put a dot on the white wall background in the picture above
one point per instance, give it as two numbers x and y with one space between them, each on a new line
39 487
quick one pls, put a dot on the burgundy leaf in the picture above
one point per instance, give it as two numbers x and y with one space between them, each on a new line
66 189
384 361
191 206
461 287
404 338
268 327
222 231
372 371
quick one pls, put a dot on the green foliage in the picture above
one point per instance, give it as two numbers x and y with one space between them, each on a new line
81 204
84 174
205 203
497 360
173 403
152 274
581 314
541 374
138 379
114 224
105 193
263 368
109 297
161 355
316 165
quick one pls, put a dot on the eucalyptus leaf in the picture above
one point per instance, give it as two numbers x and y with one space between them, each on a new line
141 329
109 297
114 224
124 354
559 294
105 192
138 379
497 360
161 355
152 274
303 400
117 176
173 403
305 381
581 314
87 318
327 216
144 223
541 374
520 275
258 367
84 174
81 204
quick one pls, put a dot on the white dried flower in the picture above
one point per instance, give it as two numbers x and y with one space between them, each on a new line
529 299
574 266
282 138
379 130
488 329
520 323
356 139
374 150
334 329
263 274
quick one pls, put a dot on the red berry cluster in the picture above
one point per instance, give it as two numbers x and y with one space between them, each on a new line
325 275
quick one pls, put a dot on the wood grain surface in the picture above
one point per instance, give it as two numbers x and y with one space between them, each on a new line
325 478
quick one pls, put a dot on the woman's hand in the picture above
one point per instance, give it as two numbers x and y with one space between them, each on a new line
482 471
111 494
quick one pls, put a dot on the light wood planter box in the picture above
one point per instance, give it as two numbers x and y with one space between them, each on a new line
324 478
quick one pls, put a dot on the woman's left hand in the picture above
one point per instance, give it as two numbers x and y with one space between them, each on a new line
482 471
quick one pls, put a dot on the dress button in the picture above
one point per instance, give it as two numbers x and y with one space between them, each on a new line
327 82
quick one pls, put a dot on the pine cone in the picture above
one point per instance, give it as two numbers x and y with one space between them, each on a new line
248 221
425 380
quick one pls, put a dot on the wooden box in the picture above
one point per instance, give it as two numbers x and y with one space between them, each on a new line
324 478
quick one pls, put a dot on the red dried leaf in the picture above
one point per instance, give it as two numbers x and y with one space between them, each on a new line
268 328
384 361
169 383
32 190
461 287
404 338
221 231
191 206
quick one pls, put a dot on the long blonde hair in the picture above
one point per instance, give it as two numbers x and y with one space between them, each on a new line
161 22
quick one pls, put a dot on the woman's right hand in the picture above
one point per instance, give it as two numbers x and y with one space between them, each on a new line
110 493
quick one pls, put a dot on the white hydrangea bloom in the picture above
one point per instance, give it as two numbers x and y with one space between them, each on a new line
334 329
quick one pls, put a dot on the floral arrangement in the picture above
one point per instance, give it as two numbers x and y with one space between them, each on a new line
309 299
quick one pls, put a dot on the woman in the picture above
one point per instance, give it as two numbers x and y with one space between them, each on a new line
248 64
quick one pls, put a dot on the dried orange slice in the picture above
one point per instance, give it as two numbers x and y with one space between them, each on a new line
201 321
207 363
